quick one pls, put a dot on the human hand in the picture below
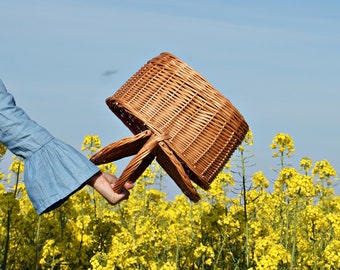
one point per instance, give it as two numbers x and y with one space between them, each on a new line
103 182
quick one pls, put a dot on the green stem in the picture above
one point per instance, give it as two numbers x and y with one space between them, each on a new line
177 251
245 208
220 251
93 191
294 236
37 244
8 227
94 203
315 258
8 220
282 161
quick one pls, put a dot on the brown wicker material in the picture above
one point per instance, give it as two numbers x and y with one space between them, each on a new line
179 119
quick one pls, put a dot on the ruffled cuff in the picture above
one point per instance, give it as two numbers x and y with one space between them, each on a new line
53 173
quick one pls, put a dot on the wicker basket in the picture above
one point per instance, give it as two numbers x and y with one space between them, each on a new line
179 119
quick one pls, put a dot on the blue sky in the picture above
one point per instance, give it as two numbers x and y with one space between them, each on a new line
277 61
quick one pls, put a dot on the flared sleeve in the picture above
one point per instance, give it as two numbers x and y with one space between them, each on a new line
54 170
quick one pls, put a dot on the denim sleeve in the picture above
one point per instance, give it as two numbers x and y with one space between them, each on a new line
21 135
54 170
54 173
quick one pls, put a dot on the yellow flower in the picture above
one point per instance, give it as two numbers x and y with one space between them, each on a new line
91 143
200 250
269 254
325 171
17 165
305 164
208 261
169 266
259 180
331 254
110 168
312 213
297 226
334 220
3 150
248 140
284 143
301 185
285 175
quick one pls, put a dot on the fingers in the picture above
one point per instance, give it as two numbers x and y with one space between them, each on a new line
104 183
112 179
124 193
117 197
129 185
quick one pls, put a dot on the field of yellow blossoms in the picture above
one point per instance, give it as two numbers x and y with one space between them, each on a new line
293 223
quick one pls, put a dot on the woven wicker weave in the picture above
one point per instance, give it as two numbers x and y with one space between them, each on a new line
179 119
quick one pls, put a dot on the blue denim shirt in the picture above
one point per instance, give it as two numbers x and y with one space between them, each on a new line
54 170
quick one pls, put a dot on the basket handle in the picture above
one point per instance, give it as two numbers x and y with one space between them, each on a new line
139 162
123 148
145 146
170 163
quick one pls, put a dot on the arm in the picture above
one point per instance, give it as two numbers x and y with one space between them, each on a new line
53 170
